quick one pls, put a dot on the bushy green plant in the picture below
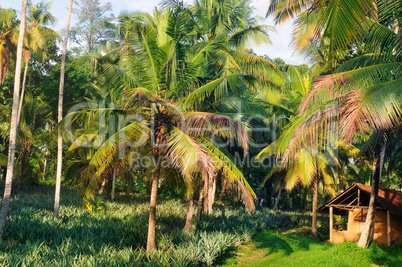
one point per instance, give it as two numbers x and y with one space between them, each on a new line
94 205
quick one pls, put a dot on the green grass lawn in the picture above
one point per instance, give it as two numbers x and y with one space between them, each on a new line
298 249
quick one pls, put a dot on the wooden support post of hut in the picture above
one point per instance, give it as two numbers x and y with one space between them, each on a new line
331 222
354 203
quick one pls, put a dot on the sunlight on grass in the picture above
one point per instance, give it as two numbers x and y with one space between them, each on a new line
289 249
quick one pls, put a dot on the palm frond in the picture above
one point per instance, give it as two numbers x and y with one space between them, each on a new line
219 87
3 160
200 123
104 155
328 87
378 107
306 167
253 34
232 174
283 10
187 155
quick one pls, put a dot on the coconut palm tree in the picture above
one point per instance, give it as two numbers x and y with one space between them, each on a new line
13 126
214 61
60 115
144 83
169 140
365 37
377 102
307 167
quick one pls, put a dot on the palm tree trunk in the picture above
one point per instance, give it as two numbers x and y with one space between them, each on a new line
214 189
199 210
189 218
277 199
60 116
23 161
45 163
102 188
129 183
315 200
113 184
152 206
340 179
368 228
211 195
24 79
206 191
304 199
14 125
268 193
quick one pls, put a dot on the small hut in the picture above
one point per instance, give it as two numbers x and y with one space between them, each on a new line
354 202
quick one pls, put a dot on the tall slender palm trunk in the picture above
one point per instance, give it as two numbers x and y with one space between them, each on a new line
206 193
24 80
268 193
277 199
129 184
23 162
60 117
368 229
152 206
102 188
211 194
199 206
113 184
45 163
14 125
315 201
189 218
304 199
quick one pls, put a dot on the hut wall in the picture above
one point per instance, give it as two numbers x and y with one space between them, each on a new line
356 220
396 230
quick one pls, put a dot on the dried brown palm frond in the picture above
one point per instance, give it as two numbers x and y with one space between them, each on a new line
330 87
378 107
139 96
246 197
199 123
353 117
315 133
231 175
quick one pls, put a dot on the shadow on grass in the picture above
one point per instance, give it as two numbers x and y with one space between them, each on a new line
392 256
273 243
286 242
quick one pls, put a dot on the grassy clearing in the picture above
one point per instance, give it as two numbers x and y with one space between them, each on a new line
116 235
298 249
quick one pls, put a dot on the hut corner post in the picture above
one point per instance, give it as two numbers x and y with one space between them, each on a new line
331 222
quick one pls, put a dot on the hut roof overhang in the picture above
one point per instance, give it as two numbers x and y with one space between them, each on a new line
358 196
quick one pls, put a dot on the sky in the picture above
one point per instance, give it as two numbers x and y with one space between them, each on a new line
280 39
